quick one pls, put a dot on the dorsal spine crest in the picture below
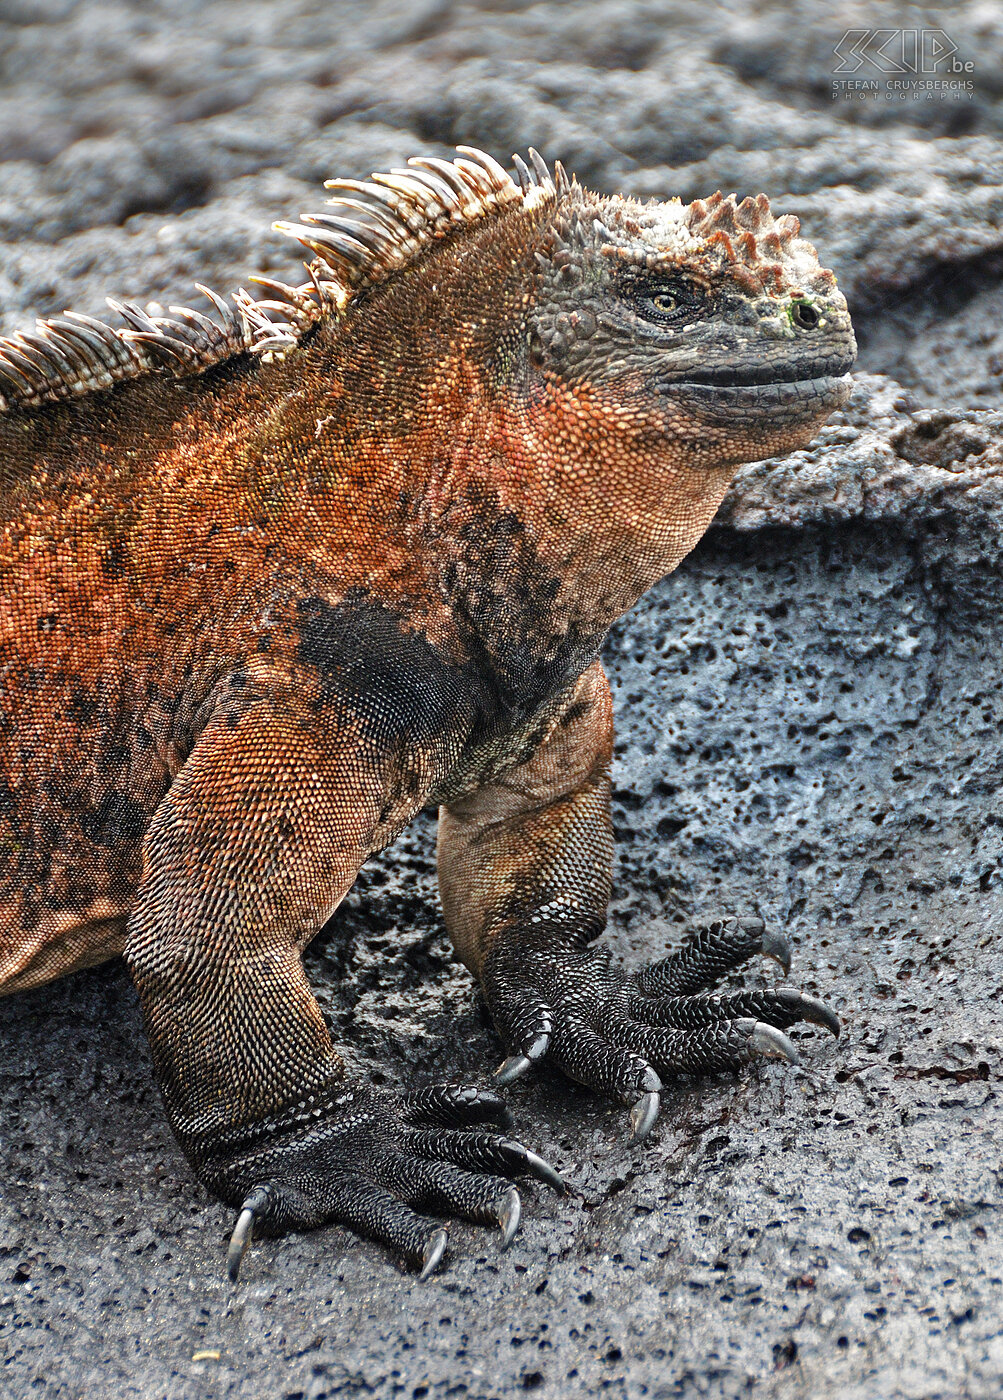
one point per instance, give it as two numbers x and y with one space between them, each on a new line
377 228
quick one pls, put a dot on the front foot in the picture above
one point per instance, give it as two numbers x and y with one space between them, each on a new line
372 1160
619 1031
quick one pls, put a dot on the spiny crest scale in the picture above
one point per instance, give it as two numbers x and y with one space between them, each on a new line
761 249
74 354
381 225
376 228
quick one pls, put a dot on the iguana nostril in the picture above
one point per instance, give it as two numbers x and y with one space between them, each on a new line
804 315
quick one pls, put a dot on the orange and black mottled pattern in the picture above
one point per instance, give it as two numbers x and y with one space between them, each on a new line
258 611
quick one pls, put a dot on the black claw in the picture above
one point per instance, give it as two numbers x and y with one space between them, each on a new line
777 946
512 1068
516 1065
819 1014
434 1250
543 1171
643 1115
509 1216
767 1040
243 1233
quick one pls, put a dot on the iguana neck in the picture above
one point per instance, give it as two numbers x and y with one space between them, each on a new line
520 520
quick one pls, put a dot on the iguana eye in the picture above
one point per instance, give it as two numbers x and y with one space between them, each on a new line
663 303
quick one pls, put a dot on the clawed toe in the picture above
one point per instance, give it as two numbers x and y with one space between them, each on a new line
643 1115
709 953
454 1105
781 1007
382 1162
434 1250
767 1040
484 1152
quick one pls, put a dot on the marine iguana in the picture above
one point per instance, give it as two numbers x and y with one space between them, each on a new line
277 578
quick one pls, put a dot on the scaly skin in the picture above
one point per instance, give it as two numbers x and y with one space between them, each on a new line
262 610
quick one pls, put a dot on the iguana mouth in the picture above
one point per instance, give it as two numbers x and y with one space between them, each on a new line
773 401
755 376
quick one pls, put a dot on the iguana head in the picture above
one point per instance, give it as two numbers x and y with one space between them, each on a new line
713 319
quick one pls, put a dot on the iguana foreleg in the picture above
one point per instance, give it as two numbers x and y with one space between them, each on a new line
254 845
525 874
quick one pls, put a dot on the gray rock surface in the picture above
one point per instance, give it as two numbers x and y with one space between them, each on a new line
808 721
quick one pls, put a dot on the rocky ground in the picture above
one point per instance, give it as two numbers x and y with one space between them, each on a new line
809 727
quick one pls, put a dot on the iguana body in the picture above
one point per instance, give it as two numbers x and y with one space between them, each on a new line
264 605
